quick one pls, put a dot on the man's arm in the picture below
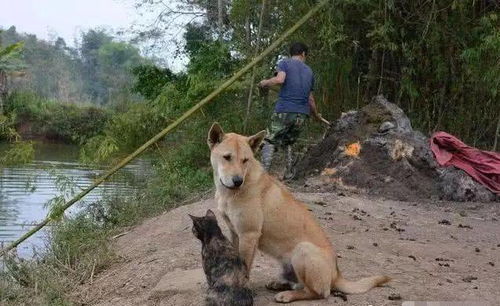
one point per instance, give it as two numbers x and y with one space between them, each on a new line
314 110
277 80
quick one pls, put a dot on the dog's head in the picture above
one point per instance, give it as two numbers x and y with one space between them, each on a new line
232 155
205 227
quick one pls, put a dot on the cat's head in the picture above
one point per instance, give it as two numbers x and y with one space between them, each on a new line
206 227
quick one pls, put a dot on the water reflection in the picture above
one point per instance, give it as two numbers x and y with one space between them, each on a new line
25 189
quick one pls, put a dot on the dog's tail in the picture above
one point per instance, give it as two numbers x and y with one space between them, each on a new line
360 286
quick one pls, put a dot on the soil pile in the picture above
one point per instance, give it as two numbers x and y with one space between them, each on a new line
376 150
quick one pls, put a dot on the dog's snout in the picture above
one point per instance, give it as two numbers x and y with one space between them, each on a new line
237 181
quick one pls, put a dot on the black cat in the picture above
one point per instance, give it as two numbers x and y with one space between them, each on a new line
226 272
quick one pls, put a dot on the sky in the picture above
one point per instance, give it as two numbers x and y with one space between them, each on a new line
66 18
48 19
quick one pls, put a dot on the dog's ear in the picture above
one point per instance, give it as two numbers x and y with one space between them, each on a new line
210 214
215 135
255 140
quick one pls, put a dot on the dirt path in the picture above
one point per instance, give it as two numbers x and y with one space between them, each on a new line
434 251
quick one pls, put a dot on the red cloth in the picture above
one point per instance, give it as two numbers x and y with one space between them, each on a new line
483 166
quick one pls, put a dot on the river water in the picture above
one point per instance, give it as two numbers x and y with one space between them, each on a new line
24 190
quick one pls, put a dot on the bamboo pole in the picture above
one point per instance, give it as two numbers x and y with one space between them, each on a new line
169 128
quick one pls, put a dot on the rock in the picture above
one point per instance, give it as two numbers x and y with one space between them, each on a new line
456 185
385 127
469 279
388 179
444 222
394 297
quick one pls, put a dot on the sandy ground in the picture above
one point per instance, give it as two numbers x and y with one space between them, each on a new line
434 251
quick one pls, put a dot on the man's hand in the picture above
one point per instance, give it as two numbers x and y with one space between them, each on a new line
321 119
276 80
314 110
263 84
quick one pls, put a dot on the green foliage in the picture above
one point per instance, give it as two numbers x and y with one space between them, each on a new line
123 133
7 127
10 56
44 118
478 59
438 60
150 79
76 251
97 71
196 36
115 61
19 152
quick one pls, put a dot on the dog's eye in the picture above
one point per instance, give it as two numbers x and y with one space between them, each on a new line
245 160
227 157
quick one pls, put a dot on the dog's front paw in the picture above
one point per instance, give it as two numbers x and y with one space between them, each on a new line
284 297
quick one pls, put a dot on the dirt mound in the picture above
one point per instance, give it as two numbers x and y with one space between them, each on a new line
376 150
434 252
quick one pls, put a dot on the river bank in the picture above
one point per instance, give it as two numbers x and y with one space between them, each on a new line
37 118
76 247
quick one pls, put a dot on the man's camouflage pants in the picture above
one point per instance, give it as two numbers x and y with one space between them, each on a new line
283 131
285 128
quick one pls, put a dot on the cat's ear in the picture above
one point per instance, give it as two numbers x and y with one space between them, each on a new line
195 219
210 214
195 230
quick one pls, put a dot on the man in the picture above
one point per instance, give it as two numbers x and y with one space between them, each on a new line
294 105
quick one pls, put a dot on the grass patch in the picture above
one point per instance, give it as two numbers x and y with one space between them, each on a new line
77 250
38 117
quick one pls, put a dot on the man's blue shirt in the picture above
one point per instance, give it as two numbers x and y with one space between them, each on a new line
294 93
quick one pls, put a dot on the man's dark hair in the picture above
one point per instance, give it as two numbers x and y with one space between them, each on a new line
297 48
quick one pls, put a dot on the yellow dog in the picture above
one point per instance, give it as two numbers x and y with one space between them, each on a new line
263 214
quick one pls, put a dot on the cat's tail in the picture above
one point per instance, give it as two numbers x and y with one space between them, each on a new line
229 295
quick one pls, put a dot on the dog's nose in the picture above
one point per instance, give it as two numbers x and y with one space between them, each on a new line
237 181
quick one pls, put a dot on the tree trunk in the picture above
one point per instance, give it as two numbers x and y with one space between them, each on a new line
497 134
372 76
3 89
220 19
252 78
247 31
